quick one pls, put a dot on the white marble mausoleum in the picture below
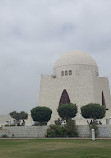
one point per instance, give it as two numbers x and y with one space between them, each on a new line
75 79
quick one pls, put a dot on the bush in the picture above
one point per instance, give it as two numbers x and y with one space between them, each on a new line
41 114
4 136
93 111
9 125
13 135
67 111
68 130
71 129
57 122
56 131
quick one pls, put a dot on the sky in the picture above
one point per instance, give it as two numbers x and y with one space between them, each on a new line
35 33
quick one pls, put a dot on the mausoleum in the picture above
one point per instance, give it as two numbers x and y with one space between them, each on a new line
75 79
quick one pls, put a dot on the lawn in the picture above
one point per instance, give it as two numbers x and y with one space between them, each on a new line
38 148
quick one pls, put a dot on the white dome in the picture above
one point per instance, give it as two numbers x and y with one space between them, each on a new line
75 58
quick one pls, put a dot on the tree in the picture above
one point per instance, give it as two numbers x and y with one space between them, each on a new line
23 115
18 116
15 115
41 114
67 111
93 111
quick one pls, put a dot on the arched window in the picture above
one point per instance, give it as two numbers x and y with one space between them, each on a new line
66 73
62 73
103 99
70 72
64 98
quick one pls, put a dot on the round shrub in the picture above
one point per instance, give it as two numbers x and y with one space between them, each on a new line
41 114
67 111
93 111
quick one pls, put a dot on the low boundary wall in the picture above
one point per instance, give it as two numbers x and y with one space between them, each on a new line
24 131
104 131
40 131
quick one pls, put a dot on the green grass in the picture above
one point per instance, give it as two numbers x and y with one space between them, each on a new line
55 148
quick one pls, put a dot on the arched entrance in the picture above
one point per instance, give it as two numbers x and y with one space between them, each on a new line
64 98
103 99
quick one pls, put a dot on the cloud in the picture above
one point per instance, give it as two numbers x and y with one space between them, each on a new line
33 35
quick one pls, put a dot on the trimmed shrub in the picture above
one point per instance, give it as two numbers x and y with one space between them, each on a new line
41 114
67 111
93 111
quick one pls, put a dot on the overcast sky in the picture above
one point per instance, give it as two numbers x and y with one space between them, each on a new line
35 33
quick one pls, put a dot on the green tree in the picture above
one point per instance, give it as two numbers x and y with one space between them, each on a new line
93 111
67 111
41 114
15 115
18 116
23 115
